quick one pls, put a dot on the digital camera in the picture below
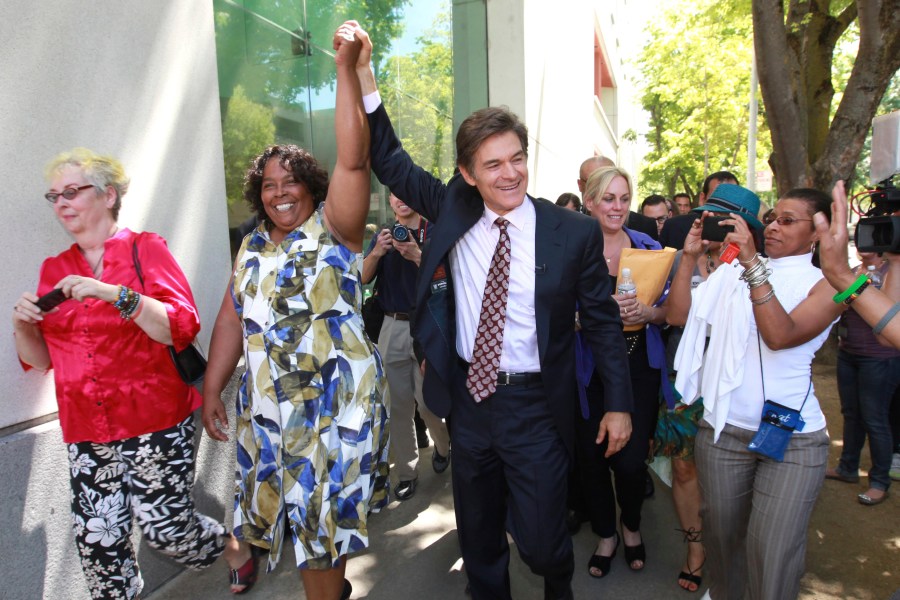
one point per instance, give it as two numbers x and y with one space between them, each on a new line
878 230
400 232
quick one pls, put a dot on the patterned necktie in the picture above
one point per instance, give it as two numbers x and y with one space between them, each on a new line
482 379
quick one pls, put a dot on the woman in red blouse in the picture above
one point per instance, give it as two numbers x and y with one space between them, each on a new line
124 412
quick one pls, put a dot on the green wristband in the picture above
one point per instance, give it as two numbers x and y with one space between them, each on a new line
838 298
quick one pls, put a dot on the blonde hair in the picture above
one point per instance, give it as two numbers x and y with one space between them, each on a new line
600 179
100 171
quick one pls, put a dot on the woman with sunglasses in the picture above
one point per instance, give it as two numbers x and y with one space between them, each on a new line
125 413
766 319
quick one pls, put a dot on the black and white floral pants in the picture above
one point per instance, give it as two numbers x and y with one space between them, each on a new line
149 478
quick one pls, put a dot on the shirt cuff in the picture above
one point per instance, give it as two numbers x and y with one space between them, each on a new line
371 102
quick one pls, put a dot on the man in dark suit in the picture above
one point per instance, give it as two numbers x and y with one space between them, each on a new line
512 430
675 230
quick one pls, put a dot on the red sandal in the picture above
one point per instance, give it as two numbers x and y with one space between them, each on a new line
245 575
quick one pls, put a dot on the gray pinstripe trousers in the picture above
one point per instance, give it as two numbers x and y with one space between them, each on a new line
756 511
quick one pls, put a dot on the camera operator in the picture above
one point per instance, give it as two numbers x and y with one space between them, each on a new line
393 257
878 308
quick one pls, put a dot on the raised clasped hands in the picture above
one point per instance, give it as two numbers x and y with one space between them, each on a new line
348 44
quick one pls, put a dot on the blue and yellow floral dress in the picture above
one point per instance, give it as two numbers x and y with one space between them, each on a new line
312 428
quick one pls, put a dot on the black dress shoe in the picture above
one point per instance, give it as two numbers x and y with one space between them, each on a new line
406 489
649 488
440 463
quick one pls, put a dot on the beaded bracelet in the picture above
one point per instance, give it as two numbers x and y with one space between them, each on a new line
849 299
133 300
122 300
890 314
853 289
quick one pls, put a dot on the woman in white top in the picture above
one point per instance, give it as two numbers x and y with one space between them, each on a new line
756 509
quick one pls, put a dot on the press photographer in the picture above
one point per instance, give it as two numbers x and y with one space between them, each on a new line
393 261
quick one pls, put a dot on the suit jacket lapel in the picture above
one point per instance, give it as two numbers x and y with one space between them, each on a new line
548 253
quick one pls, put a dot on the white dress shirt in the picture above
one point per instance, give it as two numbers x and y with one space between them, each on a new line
470 261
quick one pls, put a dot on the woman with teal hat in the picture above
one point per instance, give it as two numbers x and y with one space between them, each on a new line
757 495
677 426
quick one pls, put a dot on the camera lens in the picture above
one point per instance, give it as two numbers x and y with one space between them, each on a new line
399 232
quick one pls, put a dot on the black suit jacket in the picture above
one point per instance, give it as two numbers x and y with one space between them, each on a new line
570 269
676 229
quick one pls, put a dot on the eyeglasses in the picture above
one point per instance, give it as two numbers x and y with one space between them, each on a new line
769 219
68 193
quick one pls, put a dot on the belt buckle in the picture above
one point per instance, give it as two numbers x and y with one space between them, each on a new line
505 377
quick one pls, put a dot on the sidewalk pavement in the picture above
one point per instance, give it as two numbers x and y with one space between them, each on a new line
414 554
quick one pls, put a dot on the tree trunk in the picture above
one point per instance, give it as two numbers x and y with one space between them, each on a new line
794 59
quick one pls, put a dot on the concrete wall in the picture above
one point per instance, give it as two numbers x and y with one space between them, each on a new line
541 65
136 80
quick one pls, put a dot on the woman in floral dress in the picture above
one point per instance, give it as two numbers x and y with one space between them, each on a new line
311 424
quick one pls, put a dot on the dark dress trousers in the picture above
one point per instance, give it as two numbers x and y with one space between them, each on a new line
511 451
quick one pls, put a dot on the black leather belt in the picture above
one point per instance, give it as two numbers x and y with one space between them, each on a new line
398 316
507 378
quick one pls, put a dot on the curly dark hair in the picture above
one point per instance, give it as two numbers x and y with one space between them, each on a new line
301 163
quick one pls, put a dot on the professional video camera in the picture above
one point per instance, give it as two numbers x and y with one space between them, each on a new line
879 230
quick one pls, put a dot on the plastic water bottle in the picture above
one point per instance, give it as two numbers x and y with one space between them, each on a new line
625 284
874 276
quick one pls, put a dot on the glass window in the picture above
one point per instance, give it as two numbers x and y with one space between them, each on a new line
276 82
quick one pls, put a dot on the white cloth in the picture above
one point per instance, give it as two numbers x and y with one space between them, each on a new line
729 377
470 261
721 305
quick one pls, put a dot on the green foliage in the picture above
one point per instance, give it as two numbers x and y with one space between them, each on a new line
417 91
246 129
695 81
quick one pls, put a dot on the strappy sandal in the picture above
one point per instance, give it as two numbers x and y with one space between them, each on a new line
603 563
245 575
691 536
635 553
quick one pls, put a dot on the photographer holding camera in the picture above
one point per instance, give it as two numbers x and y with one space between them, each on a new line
393 257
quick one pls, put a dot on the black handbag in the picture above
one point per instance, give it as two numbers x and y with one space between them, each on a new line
373 316
190 362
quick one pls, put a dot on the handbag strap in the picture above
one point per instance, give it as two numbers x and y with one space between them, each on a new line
763 377
137 262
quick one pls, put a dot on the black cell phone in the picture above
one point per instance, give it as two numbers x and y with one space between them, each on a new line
712 231
51 300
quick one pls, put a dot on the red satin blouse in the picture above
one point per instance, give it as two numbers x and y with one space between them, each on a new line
112 381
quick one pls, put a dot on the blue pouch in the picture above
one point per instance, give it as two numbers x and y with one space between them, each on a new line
776 427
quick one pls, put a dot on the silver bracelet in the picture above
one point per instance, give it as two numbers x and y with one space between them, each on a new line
764 299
